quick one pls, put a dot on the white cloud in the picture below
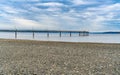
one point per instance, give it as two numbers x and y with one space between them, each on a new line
51 4
82 2
33 8
24 0
106 8
10 9
99 16
49 21
24 22
45 22
6 26
55 9
52 17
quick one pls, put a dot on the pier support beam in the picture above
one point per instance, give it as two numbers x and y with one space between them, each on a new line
60 34
33 34
47 34
87 33
79 33
70 34
15 34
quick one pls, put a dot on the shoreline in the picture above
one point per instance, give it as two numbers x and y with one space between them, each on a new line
57 41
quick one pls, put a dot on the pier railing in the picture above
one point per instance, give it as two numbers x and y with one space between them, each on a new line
80 33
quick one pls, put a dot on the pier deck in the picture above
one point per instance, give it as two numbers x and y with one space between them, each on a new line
80 33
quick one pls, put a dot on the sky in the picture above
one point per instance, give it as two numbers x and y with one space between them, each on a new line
90 15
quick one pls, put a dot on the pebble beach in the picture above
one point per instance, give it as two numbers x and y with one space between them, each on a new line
25 57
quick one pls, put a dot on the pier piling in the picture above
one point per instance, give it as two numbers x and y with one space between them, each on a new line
60 34
70 34
15 34
79 33
33 35
47 34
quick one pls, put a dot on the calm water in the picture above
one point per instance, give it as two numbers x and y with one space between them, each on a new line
99 38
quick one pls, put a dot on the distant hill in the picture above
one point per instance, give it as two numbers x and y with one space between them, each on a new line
104 32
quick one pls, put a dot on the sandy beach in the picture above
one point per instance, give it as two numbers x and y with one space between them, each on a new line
24 57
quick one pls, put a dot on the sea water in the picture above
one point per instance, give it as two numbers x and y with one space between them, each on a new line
94 38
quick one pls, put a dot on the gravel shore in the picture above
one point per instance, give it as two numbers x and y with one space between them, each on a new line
24 57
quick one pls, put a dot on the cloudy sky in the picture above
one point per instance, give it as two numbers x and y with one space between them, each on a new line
92 15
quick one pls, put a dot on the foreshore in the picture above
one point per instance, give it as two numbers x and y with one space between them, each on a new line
27 57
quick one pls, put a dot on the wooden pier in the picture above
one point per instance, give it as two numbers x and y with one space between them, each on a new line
80 33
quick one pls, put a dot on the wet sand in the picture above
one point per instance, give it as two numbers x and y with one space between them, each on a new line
24 57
